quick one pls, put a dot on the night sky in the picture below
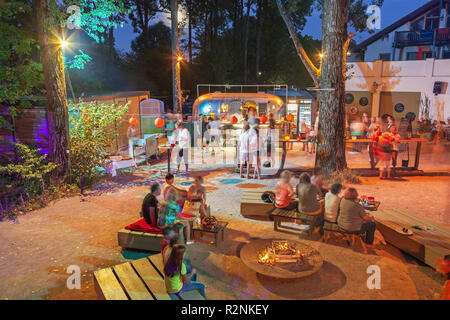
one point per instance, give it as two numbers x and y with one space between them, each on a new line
391 11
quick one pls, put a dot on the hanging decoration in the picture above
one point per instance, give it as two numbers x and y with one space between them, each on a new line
159 122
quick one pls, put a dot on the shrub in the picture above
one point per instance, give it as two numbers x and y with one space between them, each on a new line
32 170
93 129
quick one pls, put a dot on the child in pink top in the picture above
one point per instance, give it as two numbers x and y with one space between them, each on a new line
284 193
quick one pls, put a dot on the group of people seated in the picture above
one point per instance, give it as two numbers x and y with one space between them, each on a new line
162 208
316 204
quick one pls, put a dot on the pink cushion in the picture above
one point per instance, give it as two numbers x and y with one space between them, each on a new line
142 226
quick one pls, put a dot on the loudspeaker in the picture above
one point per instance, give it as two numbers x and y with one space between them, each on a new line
437 88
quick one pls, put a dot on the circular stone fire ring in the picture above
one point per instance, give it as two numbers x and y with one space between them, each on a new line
309 264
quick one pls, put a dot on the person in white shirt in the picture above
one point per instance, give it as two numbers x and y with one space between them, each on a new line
214 128
332 201
184 143
243 143
254 149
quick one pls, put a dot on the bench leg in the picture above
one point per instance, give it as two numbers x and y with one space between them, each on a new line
363 244
275 223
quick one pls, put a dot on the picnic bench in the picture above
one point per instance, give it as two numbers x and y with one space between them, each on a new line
427 245
139 240
137 280
252 206
280 215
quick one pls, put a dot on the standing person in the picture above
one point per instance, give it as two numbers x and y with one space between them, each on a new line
254 149
357 131
352 216
390 123
243 143
284 192
312 140
150 206
286 130
385 154
214 134
305 135
332 201
395 141
366 121
184 143
175 274
131 135
270 139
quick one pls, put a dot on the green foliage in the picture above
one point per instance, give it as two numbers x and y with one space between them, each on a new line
32 170
93 128
78 61
20 69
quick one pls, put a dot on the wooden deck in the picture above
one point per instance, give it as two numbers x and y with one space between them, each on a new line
427 245
253 207
137 280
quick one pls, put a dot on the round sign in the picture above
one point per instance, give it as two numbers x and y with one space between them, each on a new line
364 101
353 110
349 98
399 107
410 116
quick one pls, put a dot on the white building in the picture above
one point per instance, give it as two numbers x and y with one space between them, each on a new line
404 69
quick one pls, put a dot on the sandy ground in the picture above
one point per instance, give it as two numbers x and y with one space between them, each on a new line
37 248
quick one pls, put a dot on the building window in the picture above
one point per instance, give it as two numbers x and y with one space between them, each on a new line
385 56
446 55
427 55
411 56
432 20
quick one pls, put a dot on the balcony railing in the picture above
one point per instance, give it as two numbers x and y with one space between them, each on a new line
437 37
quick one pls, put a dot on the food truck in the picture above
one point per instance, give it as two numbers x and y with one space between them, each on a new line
224 106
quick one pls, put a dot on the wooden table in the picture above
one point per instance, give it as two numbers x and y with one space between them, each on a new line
219 230
371 155
137 280
284 152
169 154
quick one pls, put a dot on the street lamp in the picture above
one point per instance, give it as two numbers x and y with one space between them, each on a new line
64 44
180 58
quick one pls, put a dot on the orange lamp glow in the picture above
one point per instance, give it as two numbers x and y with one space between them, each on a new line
159 122
287 138
132 121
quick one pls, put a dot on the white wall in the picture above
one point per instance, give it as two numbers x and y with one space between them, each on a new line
405 76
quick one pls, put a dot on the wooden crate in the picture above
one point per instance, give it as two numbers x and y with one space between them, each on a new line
139 240
137 280
253 207
425 245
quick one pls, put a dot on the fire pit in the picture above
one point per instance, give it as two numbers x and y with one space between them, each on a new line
287 259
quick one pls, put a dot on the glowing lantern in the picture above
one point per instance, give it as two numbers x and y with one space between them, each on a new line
234 120
159 122
132 121
263 119
287 138
290 117
299 138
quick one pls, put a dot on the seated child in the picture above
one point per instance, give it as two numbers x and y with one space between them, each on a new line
150 205
168 185
169 210
332 201
197 193
284 192
167 243
169 235
317 180
176 278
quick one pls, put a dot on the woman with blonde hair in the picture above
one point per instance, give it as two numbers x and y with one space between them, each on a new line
352 216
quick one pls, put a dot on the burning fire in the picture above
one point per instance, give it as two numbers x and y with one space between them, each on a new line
281 252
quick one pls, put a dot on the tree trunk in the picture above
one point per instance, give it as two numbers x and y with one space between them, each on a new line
247 21
313 71
111 42
260 21
176 87
55 85
189 9
331 147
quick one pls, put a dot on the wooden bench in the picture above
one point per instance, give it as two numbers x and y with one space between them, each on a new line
137 280
427 245
139 240
253 207
280 215
350 237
